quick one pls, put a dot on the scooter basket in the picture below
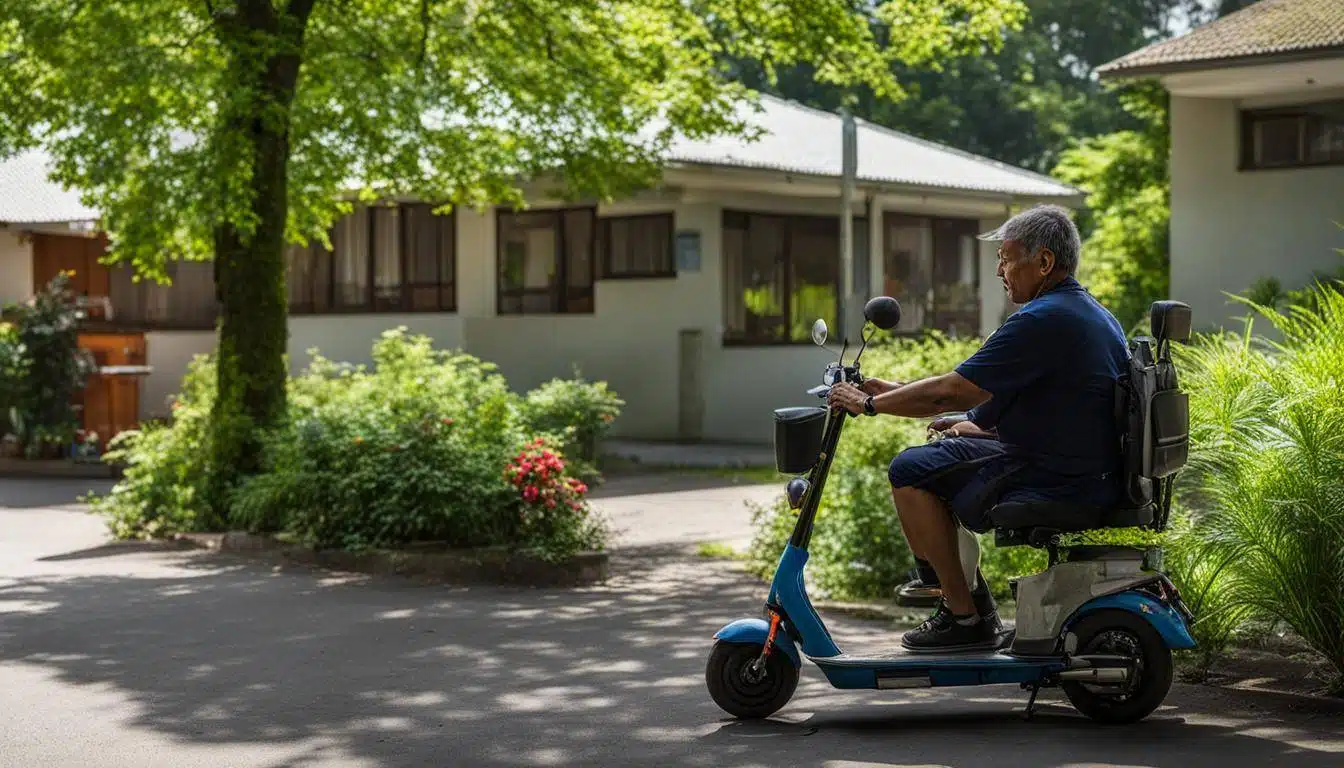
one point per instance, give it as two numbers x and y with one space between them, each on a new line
798 434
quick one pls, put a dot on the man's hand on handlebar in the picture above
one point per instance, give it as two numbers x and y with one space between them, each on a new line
847 397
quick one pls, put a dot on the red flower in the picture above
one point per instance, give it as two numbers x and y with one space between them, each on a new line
530 494
550 503
527 466
446 420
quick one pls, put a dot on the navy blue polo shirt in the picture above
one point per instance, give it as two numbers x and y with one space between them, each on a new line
1051 369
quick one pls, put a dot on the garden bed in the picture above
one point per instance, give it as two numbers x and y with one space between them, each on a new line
488 565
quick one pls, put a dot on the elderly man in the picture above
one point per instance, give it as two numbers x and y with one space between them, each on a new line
1040 422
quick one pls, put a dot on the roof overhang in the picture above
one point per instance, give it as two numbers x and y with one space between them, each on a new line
684 174
1107 72
1249 78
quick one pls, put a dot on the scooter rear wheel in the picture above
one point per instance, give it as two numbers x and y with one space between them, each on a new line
737 691
1121 633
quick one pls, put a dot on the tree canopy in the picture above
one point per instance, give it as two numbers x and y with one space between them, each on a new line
226 129
145 104
1023 104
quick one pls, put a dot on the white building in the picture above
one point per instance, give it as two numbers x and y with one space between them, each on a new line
693 300
1257 149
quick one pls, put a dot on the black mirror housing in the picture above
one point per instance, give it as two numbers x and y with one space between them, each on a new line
797 489
883 312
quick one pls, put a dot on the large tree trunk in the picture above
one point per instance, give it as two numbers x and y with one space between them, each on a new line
250 265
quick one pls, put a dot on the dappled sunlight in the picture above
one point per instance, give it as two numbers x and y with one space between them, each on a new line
387 672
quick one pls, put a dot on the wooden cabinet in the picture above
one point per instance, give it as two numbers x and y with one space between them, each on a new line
112 399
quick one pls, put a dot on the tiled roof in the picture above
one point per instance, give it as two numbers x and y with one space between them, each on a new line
807 141
28 196
1268 28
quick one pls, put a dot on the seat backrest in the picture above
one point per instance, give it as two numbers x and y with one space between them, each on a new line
1152 412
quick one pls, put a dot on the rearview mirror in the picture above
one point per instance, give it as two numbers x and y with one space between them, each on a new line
883 312
819 332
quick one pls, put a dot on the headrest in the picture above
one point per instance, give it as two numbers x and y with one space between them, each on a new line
1170 321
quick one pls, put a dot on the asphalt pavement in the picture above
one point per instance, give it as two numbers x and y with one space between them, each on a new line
140 655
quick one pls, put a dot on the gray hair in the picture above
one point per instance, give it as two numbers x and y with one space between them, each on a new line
1044 226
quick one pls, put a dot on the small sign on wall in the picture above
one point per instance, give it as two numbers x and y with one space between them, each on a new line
688 251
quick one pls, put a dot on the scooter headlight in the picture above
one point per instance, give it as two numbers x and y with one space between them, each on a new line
831 377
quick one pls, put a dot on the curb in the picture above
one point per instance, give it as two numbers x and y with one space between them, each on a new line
65 468
476 566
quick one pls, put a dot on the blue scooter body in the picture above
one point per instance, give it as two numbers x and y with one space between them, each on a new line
802 626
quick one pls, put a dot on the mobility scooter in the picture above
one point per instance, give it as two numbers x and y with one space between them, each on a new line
1101 621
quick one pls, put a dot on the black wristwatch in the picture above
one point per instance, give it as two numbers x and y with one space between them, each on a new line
868 406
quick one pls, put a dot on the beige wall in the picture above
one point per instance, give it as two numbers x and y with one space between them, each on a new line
16 268
632 341
350 338
169 353
1229 227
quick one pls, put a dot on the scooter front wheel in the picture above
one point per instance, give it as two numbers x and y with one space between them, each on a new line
1121 633
743 692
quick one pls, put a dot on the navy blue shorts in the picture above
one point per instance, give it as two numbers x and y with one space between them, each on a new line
970 474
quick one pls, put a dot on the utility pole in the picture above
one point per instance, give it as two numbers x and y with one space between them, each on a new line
847 314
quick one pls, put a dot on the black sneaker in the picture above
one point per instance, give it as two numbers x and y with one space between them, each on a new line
944 632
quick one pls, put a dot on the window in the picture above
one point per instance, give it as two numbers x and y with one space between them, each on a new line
546 262
383 259
956 277
780 274
431 258
187 303
1293 137
636 246
932 266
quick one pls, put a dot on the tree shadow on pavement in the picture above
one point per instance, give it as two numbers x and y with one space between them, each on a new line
392 673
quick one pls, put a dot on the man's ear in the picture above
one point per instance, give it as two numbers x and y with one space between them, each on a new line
1047 261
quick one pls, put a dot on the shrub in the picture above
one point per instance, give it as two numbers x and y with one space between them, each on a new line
166 472
13 369
577 412
45 369
1268 460
414 449
1204 576
554 519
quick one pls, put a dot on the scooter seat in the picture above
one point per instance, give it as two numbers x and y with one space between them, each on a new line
1065 517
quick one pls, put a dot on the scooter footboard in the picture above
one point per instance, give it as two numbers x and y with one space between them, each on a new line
755 631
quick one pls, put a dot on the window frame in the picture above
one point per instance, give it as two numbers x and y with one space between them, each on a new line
371 305
1300 112
787 264
562 263
603 246
139 323
970 225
